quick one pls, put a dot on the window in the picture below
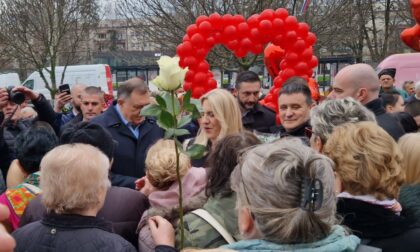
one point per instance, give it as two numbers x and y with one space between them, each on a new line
101 35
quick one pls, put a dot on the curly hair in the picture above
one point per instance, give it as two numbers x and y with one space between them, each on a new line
367 159
161 164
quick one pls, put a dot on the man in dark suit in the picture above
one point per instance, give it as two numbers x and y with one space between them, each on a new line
133 132
254 115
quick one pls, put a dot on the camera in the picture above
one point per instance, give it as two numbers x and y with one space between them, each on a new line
15 96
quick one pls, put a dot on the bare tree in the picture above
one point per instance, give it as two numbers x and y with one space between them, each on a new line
164 22
45 33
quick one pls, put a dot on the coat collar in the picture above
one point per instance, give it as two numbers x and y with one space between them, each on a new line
113 120
369 221
376 107
73 221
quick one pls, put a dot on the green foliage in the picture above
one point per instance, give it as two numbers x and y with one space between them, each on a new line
172 116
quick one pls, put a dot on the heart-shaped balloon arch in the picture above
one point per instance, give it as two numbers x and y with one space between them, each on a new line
248 36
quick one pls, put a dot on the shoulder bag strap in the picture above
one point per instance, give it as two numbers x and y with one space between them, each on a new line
215 224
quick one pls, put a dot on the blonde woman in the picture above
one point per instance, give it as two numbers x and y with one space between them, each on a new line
410 192
368 179
162 189
221 116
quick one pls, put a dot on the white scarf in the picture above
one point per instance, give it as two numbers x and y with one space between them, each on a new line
391 204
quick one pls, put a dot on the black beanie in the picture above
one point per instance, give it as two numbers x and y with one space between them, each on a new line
388 71
89 133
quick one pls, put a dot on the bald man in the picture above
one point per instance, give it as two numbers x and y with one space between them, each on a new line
360 82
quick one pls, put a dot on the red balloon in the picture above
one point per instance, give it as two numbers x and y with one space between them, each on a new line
287 73
240 53
229 31
255 34
197 39
314 62
273 55
205 27
216 20
210 41
228 19
311 39
233 44
301 68
200 77
201 19
281 13
253 20
313 86
197 92
185 38
278 81
302 30
278 40
237 19
243 29
265 26
299 46
212 84
292 58
190 61
246 43
192 29
201 53
189 76
291 22
307 54
257 49
203 66
187 85
267 14
278 25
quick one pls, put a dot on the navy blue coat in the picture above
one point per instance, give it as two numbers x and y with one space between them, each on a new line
130 153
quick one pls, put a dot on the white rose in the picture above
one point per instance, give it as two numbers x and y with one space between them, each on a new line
171 75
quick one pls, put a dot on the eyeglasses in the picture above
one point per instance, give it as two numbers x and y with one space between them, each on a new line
308 132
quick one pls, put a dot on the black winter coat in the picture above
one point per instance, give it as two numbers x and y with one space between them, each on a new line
389 123
260 119
10 131
379 227
130 153
69 233
123 207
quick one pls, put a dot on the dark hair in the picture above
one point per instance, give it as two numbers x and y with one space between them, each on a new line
390 98
33 144
131 85
297 85
407 122
246 76
404 85
223 160
413 108
89 133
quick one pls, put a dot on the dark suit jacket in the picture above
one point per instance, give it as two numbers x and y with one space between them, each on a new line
130 153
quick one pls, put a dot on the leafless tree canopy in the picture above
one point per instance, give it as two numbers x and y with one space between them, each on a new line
342 26
45 33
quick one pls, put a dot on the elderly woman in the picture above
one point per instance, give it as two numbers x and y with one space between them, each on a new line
410 192
221 117
368 179
331 113
285 201
74 180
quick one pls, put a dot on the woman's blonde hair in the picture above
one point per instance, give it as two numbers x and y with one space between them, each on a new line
226 110
269 180
161 164
410 147
73 177
367 159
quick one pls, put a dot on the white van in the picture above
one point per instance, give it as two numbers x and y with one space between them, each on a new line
9 79
90 75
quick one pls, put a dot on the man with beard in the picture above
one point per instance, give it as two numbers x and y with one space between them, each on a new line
254 115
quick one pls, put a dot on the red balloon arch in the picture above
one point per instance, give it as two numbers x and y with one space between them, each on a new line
243 36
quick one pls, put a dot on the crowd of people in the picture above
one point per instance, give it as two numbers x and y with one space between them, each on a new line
341 174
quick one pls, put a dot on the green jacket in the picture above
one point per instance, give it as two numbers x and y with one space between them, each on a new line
410 202
199 234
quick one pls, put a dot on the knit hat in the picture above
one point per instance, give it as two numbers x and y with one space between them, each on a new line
89 133
388 71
